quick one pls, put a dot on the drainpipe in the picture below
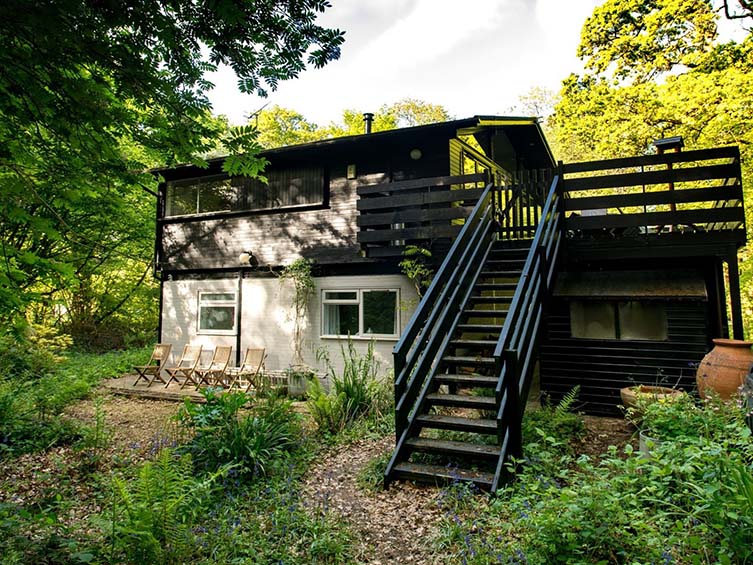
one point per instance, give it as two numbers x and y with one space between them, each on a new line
368 119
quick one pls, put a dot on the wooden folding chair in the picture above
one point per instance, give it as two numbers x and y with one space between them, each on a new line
189 359
251 368
153 369
213 373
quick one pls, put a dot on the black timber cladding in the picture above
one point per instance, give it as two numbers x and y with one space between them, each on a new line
602 367
325 233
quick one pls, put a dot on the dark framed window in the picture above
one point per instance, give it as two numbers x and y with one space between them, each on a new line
285 188
623 320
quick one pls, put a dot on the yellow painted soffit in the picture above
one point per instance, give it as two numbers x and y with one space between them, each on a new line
528 122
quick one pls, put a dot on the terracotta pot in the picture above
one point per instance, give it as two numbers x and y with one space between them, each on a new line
724 367
631 393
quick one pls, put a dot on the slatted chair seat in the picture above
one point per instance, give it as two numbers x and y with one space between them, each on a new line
183 372
214 373
153 369
251 369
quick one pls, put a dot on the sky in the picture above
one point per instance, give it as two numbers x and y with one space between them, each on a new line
473 57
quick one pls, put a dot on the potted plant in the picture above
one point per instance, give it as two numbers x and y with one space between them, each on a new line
633 396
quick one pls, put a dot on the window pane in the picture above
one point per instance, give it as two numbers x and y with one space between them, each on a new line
217 317
592 320
379 312
642 321
340 295
181 200
222 296
340 319
217 196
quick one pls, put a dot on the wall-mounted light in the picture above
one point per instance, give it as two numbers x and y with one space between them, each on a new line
246 259
351 172
416 154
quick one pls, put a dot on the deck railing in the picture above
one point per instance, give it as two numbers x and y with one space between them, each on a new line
693 191
414 212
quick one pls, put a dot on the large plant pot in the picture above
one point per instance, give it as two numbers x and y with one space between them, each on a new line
724 368
631 394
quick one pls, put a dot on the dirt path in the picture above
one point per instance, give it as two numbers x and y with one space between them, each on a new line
393 526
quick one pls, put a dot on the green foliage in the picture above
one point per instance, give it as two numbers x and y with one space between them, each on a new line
641 39
416 266
252 443
31 405
690 502
299 274
153 516
357 391
559 421
95 96
706 97
271 523
371 477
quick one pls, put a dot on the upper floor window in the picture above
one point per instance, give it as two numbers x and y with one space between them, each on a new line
220 193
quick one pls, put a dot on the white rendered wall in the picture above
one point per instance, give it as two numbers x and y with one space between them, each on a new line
267 318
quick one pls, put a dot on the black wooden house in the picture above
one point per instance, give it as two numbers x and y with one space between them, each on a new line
600 274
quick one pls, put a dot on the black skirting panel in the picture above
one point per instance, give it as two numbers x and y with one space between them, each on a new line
602 367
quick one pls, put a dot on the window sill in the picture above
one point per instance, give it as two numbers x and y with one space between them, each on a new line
216 332
361 337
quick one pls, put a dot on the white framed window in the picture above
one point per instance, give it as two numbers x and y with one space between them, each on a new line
361 312
217 312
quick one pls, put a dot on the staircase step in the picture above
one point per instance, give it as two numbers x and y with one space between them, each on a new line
495 286
457 423
438 473
504 264
479 328
429 445
474 343
496 273
467 360
476 299
485 313
462 401
467 380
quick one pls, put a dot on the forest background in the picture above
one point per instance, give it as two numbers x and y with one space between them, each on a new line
97 97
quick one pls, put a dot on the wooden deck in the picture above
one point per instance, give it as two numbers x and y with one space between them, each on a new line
124 385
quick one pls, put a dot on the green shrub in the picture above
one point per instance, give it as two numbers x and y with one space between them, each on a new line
153 517
250 442
357 392
692 501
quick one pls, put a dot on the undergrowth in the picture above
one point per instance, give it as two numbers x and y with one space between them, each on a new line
690 502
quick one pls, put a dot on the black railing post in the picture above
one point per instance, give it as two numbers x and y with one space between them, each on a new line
514 411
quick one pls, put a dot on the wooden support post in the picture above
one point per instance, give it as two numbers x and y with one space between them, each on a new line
514 411
734 297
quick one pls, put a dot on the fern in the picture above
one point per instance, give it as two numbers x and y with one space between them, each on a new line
159 510
567 401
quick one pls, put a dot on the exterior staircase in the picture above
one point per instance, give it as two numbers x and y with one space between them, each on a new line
464 363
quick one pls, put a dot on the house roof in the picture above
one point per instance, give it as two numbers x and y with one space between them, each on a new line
524 133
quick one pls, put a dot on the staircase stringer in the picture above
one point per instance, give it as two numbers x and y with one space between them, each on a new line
419 407
429 362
